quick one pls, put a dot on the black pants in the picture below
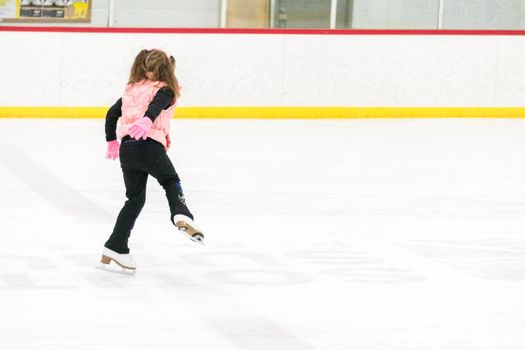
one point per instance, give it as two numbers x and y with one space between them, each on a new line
138 159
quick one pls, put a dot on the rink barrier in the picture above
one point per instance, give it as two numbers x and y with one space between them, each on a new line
488 77
279 112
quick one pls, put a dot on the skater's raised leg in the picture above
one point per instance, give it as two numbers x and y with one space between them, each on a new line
180 214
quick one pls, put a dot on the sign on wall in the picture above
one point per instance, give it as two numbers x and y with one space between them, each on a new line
45 11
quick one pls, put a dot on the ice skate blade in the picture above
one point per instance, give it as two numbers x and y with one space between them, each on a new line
115 269
197 238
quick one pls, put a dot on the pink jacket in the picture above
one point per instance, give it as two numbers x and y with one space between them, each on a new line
135 102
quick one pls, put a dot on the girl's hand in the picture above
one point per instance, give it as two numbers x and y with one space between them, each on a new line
112 151
139 129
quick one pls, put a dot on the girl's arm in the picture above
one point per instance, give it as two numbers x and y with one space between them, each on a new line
161 101
111 120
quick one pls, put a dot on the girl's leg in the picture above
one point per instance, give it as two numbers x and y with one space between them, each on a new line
162 169
168 178
135 182
180 214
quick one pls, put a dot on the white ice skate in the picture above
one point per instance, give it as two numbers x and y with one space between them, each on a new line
123 260
188 227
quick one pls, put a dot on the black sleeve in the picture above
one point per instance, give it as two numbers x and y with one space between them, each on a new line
162 100
111 120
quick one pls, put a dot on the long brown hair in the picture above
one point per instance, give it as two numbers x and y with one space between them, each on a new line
156 64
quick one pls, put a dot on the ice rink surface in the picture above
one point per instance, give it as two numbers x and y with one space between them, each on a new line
321 234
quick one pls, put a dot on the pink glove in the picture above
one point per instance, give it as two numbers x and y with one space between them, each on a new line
112 152
140 128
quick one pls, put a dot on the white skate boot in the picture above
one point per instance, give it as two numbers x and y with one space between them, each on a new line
188 227
123 260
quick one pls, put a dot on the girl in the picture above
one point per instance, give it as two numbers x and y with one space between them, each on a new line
145 110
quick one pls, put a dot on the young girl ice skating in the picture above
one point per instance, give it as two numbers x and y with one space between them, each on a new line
145 111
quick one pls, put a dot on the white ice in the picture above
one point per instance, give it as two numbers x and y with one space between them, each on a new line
322 234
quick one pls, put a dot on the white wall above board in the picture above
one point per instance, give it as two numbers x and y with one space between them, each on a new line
91 69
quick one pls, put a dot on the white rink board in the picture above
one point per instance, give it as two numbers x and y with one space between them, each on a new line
90 69
354 234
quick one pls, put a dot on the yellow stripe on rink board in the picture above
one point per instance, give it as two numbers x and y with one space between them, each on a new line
280 112
53 112
347 112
